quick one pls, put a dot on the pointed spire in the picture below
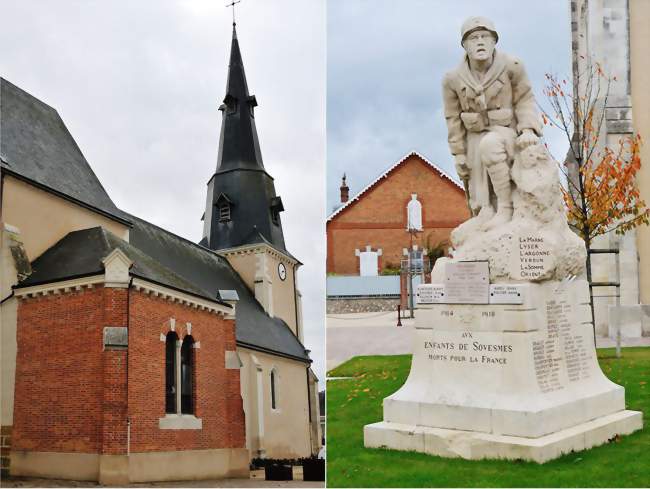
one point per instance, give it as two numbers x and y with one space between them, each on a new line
241 205
236 85
238 143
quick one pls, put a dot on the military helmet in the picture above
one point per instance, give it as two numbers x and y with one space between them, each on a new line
474 23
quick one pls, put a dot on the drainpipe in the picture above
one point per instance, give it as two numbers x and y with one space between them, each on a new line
295 298
311 437
128 346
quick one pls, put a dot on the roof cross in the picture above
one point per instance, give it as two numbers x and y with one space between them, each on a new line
232 4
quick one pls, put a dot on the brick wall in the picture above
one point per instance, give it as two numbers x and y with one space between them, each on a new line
379 217
72 396
218 402
59 373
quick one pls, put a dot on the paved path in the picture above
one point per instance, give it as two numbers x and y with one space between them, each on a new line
376 333
37 482
366 333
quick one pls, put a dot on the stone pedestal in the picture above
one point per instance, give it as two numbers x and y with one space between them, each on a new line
505 381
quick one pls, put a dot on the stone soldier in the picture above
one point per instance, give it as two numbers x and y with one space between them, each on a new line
490 109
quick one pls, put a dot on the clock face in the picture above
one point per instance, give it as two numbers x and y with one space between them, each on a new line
282 271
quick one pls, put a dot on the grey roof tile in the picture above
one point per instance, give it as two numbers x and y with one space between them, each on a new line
35 145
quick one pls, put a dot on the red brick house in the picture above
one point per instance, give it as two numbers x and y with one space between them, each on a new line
377 215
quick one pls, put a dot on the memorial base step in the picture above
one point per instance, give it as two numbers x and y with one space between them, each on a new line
473 445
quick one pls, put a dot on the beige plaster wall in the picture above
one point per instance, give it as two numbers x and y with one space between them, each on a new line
283 291
284 301
138 467
244 264
640 84
286 432
43 218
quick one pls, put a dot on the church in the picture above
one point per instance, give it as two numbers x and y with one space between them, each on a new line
131 354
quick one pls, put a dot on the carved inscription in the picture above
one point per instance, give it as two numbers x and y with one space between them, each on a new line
468 350
563 354
430 293
467 282
531 257
547 365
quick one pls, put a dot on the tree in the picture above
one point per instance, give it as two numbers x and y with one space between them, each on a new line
600 189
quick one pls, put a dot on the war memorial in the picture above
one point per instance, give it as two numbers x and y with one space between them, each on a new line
504 361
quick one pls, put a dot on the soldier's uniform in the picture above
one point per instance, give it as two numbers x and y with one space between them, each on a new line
483 121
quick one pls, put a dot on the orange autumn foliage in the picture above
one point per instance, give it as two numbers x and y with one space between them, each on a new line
611 194
601 195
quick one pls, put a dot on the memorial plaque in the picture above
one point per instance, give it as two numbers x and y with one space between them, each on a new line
467 282
506 294
430 294
531 257
116 337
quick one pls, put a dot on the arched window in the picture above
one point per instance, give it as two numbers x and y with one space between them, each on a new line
274 389
170 373
187 375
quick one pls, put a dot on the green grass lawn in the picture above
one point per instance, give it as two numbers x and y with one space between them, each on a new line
353 403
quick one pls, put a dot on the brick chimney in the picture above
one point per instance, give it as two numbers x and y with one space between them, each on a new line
345 191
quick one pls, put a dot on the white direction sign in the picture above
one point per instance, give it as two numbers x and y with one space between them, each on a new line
506 294
431 294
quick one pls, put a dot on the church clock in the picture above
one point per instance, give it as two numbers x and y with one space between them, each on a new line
282 271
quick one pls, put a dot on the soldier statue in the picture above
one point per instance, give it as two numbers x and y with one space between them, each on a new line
490 112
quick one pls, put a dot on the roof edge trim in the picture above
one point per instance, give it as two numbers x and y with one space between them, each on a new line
385 173
140 282
273 352
44 288
251 248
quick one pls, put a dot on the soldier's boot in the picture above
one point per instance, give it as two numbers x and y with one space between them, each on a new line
500 176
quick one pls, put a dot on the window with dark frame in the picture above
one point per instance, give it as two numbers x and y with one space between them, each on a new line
170 372
273 390
187 375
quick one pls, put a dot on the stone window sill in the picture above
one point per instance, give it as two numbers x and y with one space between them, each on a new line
180 422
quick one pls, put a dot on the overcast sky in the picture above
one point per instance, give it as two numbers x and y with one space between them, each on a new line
138 85
385 63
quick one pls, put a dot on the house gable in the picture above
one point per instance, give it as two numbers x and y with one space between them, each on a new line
383 203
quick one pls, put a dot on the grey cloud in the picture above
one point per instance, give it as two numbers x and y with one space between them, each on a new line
385 63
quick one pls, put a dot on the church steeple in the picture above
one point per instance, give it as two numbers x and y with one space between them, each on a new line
239 146
241 205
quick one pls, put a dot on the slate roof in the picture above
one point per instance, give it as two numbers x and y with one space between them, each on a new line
210 272
36 146
169 260
80 254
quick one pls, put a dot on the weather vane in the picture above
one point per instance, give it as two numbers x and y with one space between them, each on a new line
232 4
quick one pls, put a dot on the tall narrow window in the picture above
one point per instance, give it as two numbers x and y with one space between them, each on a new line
187 375
274 390
170 372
